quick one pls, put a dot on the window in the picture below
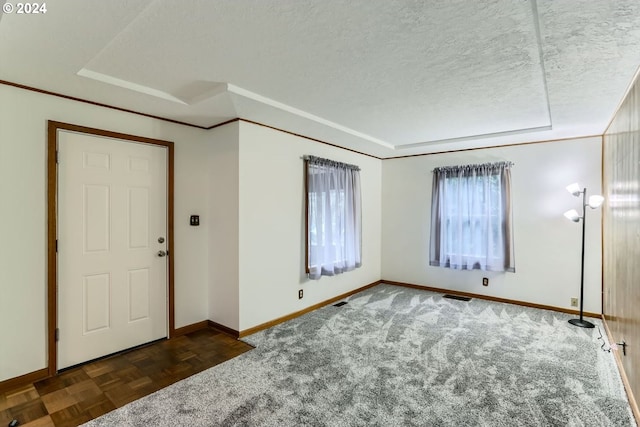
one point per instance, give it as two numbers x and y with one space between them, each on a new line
333 206
471 218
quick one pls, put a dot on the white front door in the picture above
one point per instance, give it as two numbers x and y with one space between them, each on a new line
112 231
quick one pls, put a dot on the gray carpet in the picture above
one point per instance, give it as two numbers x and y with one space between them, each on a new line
397 356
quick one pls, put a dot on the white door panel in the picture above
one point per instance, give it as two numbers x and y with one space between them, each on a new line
112 208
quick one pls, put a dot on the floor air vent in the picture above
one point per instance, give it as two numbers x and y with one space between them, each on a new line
340 304
458 297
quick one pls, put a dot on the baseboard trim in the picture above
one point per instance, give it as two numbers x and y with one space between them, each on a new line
198 326
204 324
490 298
23 380
623 374
282 319
223 329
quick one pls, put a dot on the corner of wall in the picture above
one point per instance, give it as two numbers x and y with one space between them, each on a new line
223 209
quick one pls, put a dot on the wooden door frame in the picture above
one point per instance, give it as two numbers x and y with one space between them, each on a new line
52 224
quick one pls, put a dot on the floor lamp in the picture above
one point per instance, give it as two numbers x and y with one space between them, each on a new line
573 215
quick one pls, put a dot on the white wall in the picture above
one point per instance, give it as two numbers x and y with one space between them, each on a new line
23 141
272 225
222 221
547 246
191 243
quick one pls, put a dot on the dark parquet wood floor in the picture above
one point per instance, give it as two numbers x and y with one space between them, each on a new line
80 394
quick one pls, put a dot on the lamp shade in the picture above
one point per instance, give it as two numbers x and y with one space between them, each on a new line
573 215
574 188
595 201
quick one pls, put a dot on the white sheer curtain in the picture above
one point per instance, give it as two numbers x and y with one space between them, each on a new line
471 217
334 242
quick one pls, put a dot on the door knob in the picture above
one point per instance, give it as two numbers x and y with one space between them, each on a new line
162 253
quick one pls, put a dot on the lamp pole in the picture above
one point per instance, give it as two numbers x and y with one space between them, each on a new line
581 322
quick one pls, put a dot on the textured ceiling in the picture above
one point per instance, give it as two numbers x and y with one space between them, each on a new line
385 77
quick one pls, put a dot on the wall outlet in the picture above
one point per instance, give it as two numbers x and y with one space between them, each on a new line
300 294
574 302
485 281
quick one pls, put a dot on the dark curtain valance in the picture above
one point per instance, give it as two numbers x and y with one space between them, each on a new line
464 169
319 161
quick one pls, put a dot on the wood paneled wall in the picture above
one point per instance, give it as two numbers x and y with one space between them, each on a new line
621 233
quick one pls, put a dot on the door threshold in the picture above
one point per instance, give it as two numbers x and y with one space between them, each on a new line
117 353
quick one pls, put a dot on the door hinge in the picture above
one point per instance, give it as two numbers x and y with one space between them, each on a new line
56 245
57 334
